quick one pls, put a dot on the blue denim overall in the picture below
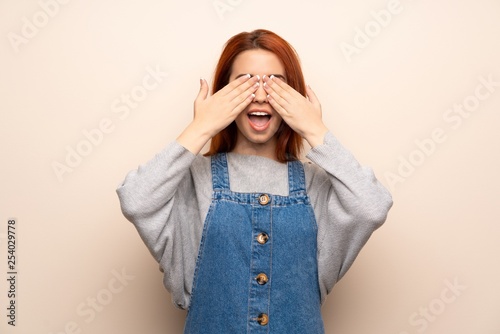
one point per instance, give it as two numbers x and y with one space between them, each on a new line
256 270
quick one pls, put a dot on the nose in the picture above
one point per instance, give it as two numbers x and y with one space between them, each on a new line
260 94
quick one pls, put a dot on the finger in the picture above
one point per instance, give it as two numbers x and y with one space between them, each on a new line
242 92
242 97
312 96
277 99
243 104
277 106
251 85
237 83
280 87
203 93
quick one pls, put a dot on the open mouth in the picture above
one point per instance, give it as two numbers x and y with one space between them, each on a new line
259 120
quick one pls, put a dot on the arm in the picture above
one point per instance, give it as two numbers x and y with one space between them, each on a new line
348 201
160 197
354 186
349 204
147 194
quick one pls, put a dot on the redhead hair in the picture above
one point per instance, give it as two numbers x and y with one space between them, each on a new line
289 143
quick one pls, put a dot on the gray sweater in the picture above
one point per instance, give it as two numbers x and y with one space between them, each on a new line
168 198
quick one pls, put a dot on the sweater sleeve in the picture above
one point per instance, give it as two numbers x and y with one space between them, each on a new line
153 198
349 204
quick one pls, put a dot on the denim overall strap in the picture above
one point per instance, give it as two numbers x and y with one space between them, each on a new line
220 173
296 177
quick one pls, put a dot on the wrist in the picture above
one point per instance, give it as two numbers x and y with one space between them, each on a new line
316 137
194 138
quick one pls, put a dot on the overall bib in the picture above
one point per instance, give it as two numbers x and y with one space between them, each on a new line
256 270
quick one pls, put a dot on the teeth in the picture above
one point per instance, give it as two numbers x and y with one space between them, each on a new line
259 113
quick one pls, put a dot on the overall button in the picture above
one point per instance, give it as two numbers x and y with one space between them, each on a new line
262 279
262 238
263 319
264 199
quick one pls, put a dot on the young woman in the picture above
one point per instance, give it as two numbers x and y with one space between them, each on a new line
250 239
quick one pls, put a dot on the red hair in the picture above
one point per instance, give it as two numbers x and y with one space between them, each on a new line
289 143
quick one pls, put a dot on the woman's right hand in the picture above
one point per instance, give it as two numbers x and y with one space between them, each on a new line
213 113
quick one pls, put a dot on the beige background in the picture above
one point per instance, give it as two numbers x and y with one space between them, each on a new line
67 74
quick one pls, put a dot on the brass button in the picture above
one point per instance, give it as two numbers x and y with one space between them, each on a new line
262 279
264 199
262 238
263 319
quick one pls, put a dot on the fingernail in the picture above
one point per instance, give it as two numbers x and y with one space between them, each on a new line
249 76
258 78
271 77
253 96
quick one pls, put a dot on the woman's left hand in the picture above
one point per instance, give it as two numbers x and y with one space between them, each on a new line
302 114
